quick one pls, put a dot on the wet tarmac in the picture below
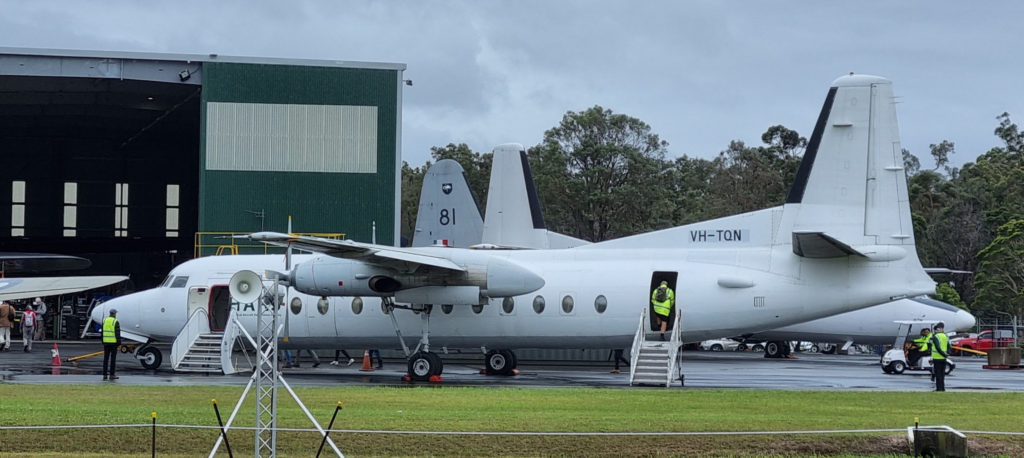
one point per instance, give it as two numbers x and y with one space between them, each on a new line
703 370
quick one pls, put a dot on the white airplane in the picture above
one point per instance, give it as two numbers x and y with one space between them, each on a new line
842 241
12 288
512 197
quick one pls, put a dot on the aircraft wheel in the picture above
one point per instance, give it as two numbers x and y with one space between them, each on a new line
773 350
741 347
758 347
828 349
898 367
438 364
423 364
498 362
150 357
815 348
512 357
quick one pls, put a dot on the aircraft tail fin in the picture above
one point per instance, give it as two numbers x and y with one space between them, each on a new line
448 214
513 217
850 193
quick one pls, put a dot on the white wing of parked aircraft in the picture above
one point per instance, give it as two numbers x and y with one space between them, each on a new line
12 288
842 241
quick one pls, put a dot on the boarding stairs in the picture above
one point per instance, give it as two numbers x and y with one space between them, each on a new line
198 349
655 362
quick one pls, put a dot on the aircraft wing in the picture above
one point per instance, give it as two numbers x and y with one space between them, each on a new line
348 249
21 288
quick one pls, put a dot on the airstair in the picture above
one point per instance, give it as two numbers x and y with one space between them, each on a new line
198 349
655 362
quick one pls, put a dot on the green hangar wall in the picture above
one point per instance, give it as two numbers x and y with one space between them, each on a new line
319 144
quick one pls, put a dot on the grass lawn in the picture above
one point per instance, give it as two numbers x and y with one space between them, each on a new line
503 410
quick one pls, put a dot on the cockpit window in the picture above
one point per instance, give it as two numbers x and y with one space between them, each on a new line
180 281
167 281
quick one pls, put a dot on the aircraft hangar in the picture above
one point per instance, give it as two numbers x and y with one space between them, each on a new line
134 159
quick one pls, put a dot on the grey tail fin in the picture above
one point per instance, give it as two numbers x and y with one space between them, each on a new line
448 214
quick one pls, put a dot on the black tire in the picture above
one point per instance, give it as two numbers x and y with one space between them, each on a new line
498 362
150 357
757 347
815 348
717 347
898 367
886 369
512 357
829 349
772 350
438 364
741 347
423 365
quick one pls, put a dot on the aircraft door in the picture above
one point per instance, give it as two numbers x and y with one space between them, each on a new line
220 307
198 298
656 278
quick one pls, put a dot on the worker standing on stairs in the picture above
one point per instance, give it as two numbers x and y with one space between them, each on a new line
663 299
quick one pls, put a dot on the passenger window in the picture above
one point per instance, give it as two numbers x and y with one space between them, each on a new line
357 305
446 308
296 305
600 304
508 304
567 304
180 281
322 305
477 308
538 304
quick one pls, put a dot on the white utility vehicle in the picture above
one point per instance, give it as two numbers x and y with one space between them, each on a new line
895 360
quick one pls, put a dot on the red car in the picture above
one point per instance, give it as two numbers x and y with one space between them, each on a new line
984 340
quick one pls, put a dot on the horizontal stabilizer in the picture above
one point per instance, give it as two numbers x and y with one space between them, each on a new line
818 245
945 271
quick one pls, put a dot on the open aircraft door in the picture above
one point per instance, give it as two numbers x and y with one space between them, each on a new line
198 298
656 278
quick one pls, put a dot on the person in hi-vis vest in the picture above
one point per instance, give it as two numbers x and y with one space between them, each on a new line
111 340
663 299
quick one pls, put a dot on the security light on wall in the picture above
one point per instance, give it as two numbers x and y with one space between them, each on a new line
407 82
184 75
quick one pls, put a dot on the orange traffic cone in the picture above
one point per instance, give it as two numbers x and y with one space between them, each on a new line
55 353
367 364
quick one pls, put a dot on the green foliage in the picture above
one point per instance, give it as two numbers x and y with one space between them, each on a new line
945 293
601 175
1000 278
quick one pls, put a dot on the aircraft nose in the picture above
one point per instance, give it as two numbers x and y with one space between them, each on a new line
964 320
100 311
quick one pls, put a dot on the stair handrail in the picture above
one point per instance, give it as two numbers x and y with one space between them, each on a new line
227 344
673 349
638 341
198 323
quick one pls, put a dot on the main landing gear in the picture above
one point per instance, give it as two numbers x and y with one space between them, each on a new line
500 362
424 365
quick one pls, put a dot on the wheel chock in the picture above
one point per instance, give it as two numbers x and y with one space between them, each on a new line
406 378
435 379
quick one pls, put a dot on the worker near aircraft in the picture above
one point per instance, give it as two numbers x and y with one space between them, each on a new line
939 345
663 299
920 347
111 340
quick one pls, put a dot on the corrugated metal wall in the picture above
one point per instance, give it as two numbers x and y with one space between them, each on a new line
316 143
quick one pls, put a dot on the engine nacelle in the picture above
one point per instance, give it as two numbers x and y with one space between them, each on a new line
324 276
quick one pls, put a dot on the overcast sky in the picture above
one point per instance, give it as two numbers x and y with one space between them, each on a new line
701 73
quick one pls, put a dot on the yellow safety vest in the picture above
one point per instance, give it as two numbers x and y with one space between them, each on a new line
663 308
922 343
109 330
941 341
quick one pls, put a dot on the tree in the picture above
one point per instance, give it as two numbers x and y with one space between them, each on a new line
1000 277
945 293
601 175
412 181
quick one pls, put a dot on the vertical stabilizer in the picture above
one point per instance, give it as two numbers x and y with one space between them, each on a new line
514 216
850 193
448 213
